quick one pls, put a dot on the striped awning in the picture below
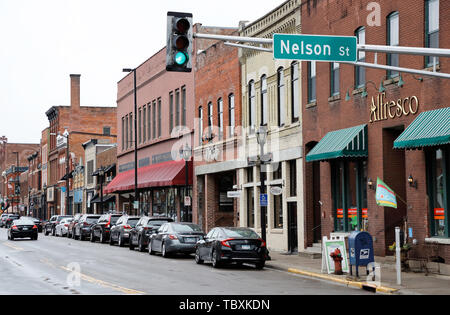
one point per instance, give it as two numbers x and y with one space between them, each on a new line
344 143
430 128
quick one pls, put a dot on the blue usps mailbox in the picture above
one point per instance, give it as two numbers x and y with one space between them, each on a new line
360 246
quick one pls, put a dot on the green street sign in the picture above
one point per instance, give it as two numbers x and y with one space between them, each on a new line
315 47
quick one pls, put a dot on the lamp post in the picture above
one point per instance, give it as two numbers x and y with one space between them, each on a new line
136 192
66 135
186 153
101 173
261 137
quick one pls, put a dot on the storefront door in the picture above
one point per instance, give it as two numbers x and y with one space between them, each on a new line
292 227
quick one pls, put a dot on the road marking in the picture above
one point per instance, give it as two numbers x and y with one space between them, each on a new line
12 246
95 281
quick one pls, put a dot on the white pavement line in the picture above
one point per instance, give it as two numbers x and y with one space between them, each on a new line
96 281
12 246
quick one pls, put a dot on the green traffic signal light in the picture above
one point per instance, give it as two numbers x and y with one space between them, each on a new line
181 58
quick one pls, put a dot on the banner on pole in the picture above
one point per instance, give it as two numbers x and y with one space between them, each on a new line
385 196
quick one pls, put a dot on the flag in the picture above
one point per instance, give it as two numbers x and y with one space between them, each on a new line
385 196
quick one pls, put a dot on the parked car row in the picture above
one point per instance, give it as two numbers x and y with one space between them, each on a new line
222 245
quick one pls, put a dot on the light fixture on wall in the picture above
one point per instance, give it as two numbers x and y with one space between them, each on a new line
370 183
412 182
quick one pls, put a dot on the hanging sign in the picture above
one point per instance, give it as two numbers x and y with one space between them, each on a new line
439 214
276 190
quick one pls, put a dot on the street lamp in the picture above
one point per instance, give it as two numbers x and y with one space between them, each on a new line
186 153
136 193
261 137
101 173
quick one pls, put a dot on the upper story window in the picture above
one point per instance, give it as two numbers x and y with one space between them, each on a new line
431 28
393 39
183 105
149 106
177 107
231 114
170 112
154 120
334 79
251 106
295 92
107 131
360 72
311 81
127 143
200 124
210 117
159 117
220 117
264 104
140 125
144 124
281 98
123 133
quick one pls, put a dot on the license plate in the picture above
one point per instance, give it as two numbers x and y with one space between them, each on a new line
25 228
190 240
246 247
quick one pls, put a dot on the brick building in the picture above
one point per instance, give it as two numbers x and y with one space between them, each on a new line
35 185
82 124
353 118
216 143
13 161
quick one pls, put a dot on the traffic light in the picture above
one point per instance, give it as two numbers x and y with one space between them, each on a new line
180 42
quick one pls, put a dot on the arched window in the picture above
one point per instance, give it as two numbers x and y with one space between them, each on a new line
393 39
251 106
200 124
360 72
264 104
295 101
281 98
231 114
220 117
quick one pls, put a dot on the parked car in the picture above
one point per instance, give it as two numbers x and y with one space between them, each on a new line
22 228
175 238
61 229
84 226
231 244
120 232
71 226
101 230
36 221
146 226
10 219
49 227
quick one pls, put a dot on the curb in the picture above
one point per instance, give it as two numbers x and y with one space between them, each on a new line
356 284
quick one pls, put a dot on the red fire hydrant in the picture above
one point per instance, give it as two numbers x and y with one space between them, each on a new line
337 258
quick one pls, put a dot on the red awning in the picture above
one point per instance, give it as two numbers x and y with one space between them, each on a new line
165 174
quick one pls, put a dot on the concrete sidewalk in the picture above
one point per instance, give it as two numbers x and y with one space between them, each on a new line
412 283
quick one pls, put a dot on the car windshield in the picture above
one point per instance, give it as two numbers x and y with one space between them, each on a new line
23 222
156 222
247 233
132 221
92 219
183 228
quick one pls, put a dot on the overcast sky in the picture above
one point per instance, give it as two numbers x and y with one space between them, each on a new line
43 41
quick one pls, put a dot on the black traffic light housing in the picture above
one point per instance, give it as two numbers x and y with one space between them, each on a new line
180 42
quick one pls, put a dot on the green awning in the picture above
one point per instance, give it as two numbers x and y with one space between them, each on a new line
350 142
430 128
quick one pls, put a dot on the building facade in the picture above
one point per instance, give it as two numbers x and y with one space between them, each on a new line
354 120
271 98
216 143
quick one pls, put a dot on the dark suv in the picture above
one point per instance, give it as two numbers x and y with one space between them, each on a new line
120 232
84 226
101 230
140 234
54 220
71 227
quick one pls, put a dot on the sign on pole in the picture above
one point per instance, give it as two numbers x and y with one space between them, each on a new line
234 194
263 200
315 47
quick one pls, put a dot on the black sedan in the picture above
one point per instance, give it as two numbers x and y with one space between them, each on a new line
175 238
140 234
23 228
84 226
231 244
36 221
120 232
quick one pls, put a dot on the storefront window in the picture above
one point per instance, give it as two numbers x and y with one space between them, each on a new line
164 203
278 212
437 184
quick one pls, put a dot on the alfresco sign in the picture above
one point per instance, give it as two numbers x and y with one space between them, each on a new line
315 47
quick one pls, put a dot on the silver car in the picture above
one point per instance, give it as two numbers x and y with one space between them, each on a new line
61 229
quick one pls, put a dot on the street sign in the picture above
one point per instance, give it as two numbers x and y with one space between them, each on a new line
263 200
234 194
187 201
315 47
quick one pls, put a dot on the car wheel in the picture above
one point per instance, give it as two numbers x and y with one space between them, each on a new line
92 239
120 241
164 250
102 239
150 249
260 265
131 244
73 234
46 232
215 260
11 238
81 236
140 245
198 260
111 241
53 232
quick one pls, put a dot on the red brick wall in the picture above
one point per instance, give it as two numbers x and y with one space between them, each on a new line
343 17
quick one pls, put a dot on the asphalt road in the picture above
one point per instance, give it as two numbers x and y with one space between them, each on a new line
55 265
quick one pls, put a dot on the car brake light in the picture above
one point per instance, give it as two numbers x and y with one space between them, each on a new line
14 227
263 244
225 242
173 237
86 224
35 226
66 225
127 227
